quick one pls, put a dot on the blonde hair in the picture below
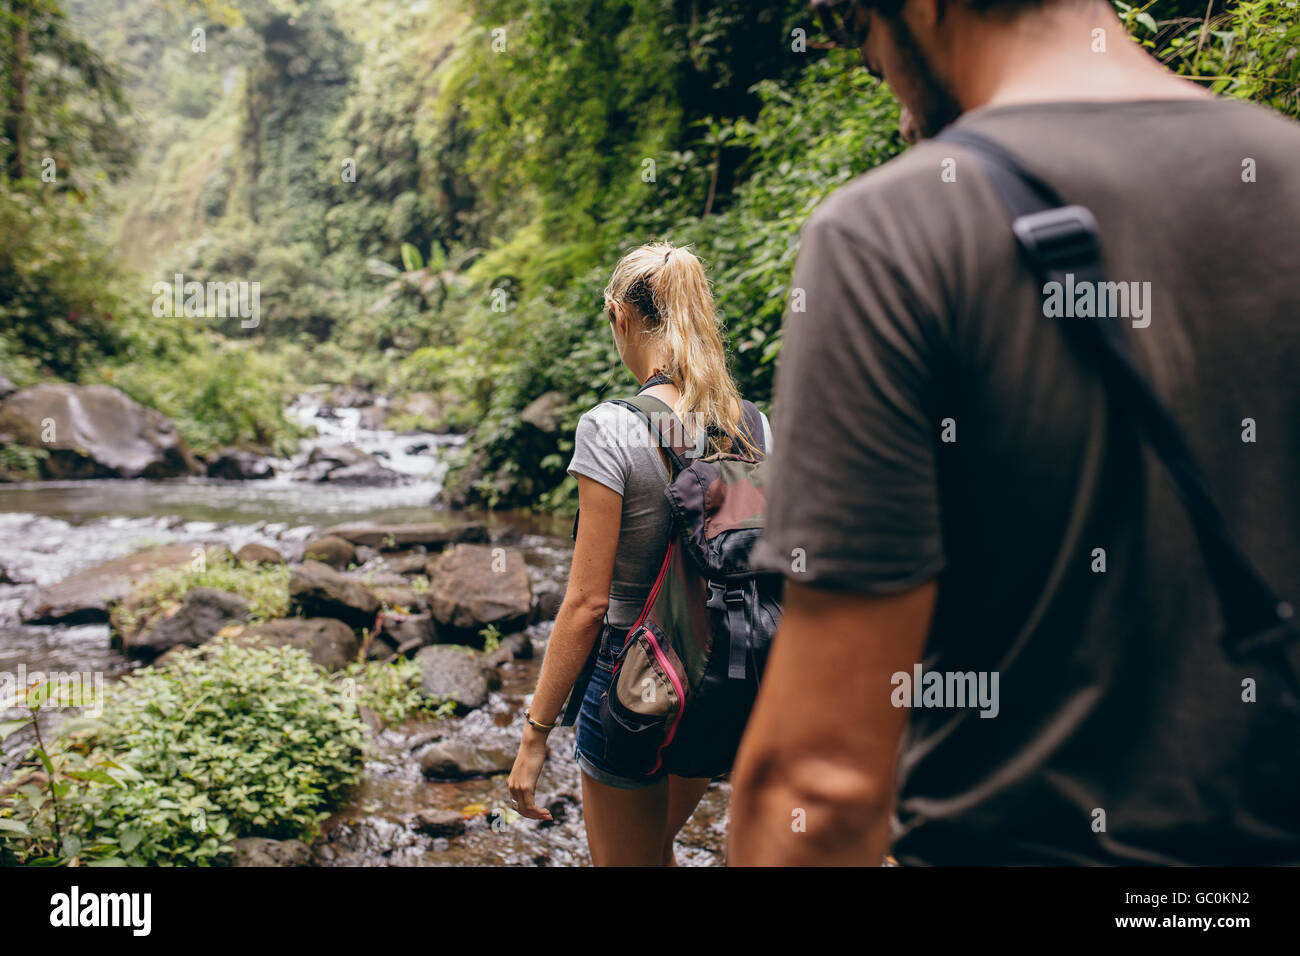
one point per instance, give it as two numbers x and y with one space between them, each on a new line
667 287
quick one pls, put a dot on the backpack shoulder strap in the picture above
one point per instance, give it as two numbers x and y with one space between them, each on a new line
1056 239
665 427
753 420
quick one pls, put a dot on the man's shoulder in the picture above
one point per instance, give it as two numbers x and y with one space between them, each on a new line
903 186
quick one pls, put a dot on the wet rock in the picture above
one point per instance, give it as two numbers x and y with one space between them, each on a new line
384 578
459 759
406 631
411 562
202 613
437 823
240 465
452 672
337 455
330 643
546 412
332 550
350 396
369 473
426 406
513 647
96 431
547 598
259 851
85 597
255 553
346 464
401 537
317 590
371 417
472 585
508 535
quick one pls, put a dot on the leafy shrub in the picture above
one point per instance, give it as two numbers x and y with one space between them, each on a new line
225 742
1248 49
22 460
392 690
264 586
219 392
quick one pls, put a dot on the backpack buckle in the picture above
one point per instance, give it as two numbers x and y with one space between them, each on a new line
720 596
1281 634
1056 238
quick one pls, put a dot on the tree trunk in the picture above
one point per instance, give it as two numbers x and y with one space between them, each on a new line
17 107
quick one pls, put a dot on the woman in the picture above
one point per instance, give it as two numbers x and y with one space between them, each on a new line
661 315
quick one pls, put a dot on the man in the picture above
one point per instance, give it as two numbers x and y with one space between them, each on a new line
1000 644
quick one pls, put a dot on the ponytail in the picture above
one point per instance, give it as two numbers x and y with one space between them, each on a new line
667 286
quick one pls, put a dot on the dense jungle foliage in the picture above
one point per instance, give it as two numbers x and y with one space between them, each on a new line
431 194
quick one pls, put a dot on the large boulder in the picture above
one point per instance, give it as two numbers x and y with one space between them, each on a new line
473 585
317 590
202 613
400 537
85 597
546 412
95 431
330 643
452 672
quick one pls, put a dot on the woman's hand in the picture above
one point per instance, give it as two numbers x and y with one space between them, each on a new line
524 774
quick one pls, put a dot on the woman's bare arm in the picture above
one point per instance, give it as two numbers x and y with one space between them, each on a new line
585 599
576 628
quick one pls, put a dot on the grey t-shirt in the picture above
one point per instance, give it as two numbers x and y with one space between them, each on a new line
933 422
614 447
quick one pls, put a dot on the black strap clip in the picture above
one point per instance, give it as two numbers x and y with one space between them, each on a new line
1060 237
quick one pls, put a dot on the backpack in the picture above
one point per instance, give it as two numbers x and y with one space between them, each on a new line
687 673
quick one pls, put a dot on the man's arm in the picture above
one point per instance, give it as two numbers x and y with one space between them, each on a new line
814 778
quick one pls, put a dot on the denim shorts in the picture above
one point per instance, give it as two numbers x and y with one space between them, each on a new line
589 739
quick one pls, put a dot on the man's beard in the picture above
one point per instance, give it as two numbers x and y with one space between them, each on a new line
933 104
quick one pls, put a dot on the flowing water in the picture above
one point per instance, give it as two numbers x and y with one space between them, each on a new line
50 530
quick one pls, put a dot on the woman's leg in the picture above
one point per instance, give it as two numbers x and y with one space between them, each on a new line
638 827
684 795
625 827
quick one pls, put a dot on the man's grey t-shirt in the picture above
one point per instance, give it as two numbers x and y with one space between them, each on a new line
932 422
613 446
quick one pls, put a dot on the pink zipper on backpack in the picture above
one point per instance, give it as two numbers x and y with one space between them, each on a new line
681 697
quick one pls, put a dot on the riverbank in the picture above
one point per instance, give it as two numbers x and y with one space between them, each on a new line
433 789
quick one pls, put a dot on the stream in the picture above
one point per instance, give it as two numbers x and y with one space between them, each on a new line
52 529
